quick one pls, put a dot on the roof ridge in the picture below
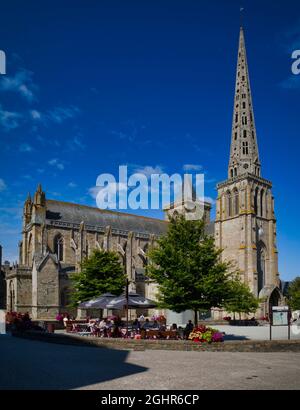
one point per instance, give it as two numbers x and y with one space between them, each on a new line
107 211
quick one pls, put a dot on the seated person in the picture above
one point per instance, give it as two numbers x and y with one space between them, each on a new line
155 325
109 324
147 324
136 324
141 318
188 329
181 332
173 327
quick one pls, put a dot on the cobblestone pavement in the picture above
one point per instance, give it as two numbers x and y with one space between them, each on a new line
26 364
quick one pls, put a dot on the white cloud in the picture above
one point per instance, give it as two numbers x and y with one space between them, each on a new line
210 200
56 163
9 120
27 176
209 180
54 193
75 144
129 131
93 191
148 170
192 167
12 212
60 114
72 185
21 83
2 185
55 115
292 82
35 115
25 148
111 187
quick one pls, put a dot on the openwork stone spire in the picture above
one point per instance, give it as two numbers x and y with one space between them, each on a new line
244 156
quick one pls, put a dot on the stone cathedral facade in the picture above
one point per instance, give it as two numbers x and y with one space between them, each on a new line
58 235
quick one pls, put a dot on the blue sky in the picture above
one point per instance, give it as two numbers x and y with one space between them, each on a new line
91 85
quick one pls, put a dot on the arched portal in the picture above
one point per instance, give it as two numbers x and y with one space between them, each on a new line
271 296
274 299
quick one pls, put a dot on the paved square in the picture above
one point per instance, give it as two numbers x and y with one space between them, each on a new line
29 364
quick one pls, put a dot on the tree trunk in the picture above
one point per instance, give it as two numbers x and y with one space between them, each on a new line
196 317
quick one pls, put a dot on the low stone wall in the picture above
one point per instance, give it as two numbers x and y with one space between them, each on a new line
179 345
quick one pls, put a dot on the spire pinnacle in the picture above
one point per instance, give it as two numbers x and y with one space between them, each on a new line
39 196
244 155
241 17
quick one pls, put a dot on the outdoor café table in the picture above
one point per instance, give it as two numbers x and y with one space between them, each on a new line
83 329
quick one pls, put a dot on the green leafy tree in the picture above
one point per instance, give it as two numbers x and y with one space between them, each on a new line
100 273
294 294
241 299
186 266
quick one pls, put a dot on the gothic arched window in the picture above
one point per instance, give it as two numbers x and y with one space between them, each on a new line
256 201
228 203
262 203
29 250
59 247
236 204
267 213
11 303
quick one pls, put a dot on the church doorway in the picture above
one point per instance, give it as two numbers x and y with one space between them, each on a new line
274 299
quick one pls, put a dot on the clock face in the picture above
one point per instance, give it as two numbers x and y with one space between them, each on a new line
246 166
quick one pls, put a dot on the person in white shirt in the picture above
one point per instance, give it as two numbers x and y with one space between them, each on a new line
141 318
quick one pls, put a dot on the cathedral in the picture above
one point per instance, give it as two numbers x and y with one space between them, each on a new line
57 235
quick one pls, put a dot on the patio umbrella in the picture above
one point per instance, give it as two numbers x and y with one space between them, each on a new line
135 301
98 303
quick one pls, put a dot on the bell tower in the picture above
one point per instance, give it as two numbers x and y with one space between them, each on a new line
245 225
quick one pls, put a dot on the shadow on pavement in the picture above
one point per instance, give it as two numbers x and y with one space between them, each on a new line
27 364
235 337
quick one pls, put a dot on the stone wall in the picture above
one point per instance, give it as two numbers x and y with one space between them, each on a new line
176 345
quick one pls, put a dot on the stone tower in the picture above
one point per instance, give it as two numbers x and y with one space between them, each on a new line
245 225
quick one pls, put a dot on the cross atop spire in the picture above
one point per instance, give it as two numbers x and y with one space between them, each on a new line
244 157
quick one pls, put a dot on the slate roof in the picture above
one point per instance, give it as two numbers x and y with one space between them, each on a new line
74 213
